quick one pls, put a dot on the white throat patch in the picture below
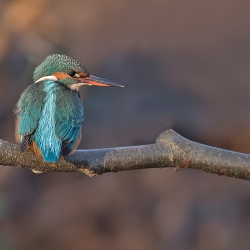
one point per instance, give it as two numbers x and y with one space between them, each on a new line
76 86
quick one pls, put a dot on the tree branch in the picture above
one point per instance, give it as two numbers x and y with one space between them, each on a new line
170 150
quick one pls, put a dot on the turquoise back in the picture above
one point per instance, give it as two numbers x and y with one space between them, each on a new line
51 115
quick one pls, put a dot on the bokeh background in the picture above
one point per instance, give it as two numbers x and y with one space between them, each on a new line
185 65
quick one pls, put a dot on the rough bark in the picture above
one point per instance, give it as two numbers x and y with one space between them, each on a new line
170 150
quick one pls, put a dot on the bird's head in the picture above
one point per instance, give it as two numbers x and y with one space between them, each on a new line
68 71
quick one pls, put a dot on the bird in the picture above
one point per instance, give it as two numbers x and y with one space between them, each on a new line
50 112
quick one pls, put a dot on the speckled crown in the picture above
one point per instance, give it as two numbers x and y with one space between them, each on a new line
58 63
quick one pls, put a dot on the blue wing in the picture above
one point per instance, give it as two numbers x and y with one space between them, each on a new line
69 119
29 109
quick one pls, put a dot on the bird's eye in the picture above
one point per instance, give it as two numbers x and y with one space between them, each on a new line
72 73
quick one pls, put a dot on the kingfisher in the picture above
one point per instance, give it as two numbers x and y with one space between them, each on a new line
50 111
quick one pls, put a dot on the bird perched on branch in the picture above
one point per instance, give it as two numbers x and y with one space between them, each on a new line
50 111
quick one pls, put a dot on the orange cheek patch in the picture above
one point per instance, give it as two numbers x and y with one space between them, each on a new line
61 75
83 75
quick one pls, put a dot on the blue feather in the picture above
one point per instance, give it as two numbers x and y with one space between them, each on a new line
29 109
45 137
51 115
69 119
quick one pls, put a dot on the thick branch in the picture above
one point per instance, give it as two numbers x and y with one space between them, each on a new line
170 150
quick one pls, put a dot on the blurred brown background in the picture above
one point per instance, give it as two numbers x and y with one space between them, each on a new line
185 65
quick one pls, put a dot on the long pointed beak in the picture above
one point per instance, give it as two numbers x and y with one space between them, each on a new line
97 81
